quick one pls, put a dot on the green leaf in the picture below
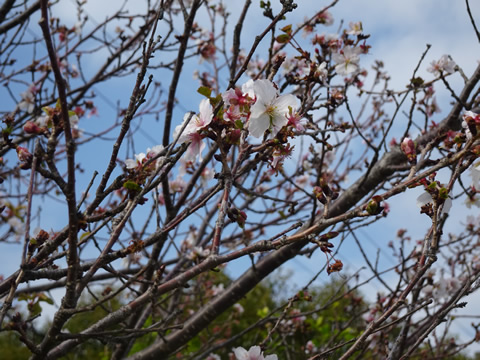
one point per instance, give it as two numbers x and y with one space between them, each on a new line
132 185
205 91
282 39
24 297
443 193
45 298
34 308
84 235
287 29
263 312
416 82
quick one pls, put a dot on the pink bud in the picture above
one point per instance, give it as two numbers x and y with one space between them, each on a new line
408 148
31 128
23 154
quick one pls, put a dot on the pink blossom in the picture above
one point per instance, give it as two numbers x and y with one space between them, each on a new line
295 120
24 155
408 146
237 102
409 149
191 132
206 175
325 18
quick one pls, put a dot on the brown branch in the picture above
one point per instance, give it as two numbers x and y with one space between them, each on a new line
19 19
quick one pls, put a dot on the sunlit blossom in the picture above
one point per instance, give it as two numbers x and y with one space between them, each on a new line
132 164
319 72
270 110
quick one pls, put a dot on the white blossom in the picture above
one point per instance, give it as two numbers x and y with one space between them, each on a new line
270 110
445 64
254 353
347 60
425 198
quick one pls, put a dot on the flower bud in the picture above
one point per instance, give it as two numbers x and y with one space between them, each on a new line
24 155
408 148
31 128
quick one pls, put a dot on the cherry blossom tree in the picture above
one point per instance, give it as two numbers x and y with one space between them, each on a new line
152 226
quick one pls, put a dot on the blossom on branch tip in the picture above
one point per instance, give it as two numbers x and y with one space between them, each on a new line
24 155
254 353
270 110
356 28
324 18
132 164
408 148
445 64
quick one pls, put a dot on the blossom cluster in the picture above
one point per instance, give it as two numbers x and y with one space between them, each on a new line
142 158
257 106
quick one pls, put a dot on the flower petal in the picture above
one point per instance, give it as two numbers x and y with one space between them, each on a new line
264 91
241 353
258 125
